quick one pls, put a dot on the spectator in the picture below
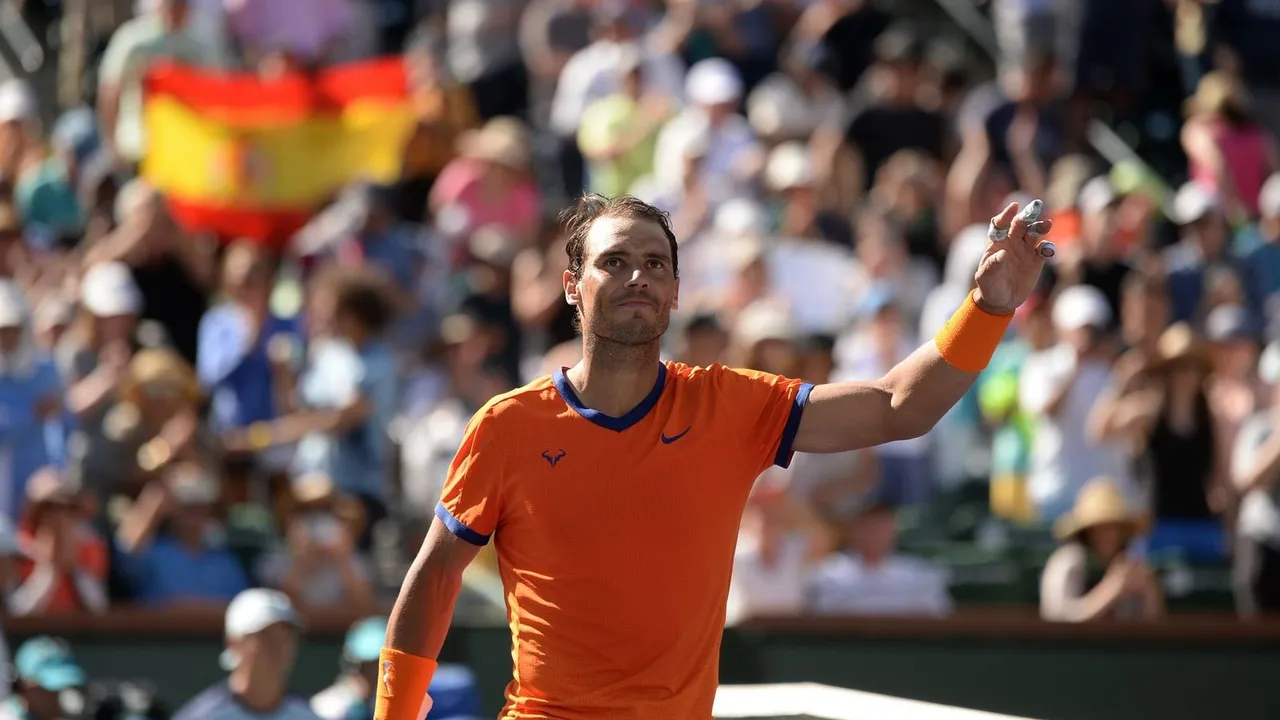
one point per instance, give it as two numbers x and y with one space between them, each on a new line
30 402
173 548
1255 467
1202 246
262 643
274 35
1096 533
618 132
1163 412
1096 259
65 568
490 183
597 72
155 35
892 118
49 681
20 148
789 174
1229 152
321 567
780 542
155 423
346 396
244 346
48 195
1263 259
93 357
1057 389
733 157
871 578
171 272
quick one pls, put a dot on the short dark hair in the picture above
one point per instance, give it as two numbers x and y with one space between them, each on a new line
361 293
578 218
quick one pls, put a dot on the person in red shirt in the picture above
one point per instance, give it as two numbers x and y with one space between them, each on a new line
64 568
614 489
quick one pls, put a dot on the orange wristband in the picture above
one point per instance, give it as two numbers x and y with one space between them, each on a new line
971 336
403 681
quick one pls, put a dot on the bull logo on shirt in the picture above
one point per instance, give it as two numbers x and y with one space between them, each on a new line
553 457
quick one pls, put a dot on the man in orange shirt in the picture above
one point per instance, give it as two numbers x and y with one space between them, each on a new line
614 489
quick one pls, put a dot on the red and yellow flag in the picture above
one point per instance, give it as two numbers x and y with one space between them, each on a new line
244 157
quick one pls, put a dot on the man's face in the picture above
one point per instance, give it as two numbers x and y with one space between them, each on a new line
271 650
628 286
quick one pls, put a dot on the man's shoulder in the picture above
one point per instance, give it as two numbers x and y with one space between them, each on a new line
538 397
212 699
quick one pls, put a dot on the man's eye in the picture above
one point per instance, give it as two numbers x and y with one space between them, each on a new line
612 262
657 264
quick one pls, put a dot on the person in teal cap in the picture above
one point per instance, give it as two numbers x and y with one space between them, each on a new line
350 697
49 681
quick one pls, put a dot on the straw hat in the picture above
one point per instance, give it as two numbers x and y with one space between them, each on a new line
1178 344
1099 502
159 371
501 141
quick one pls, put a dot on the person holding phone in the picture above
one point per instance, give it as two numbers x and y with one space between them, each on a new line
320 568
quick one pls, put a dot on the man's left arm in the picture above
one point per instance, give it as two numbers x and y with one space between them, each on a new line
918 391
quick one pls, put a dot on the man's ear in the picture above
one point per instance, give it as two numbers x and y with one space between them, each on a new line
571 292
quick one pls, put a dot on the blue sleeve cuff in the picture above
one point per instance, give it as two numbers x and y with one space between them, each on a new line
457 528
783 458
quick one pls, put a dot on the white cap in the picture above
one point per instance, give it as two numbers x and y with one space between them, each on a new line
13 305
713 81
108 290
1193 202
1081 306
790 166
738 216
257 609
1096 195
1269 197
17 101
762 321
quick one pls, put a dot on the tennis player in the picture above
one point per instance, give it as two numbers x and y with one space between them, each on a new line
614 489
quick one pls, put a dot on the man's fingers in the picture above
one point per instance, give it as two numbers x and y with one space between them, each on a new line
1046 249
1025 219
1039 229
998 230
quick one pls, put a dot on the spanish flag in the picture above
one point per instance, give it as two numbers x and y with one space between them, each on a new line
244 157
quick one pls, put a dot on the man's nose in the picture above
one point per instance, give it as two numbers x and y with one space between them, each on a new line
637 279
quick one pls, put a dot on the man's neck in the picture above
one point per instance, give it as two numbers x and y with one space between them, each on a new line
614 378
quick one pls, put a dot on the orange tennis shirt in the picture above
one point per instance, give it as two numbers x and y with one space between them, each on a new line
615 535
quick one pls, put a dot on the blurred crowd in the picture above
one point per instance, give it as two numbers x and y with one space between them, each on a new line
182 419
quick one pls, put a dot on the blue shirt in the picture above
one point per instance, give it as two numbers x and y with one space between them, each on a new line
337 376
168 571
46 197
217 703
26 442
394 253
238 377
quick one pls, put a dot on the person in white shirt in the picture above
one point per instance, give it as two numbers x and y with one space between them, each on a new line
1058 388
778 545
873 579
733 157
